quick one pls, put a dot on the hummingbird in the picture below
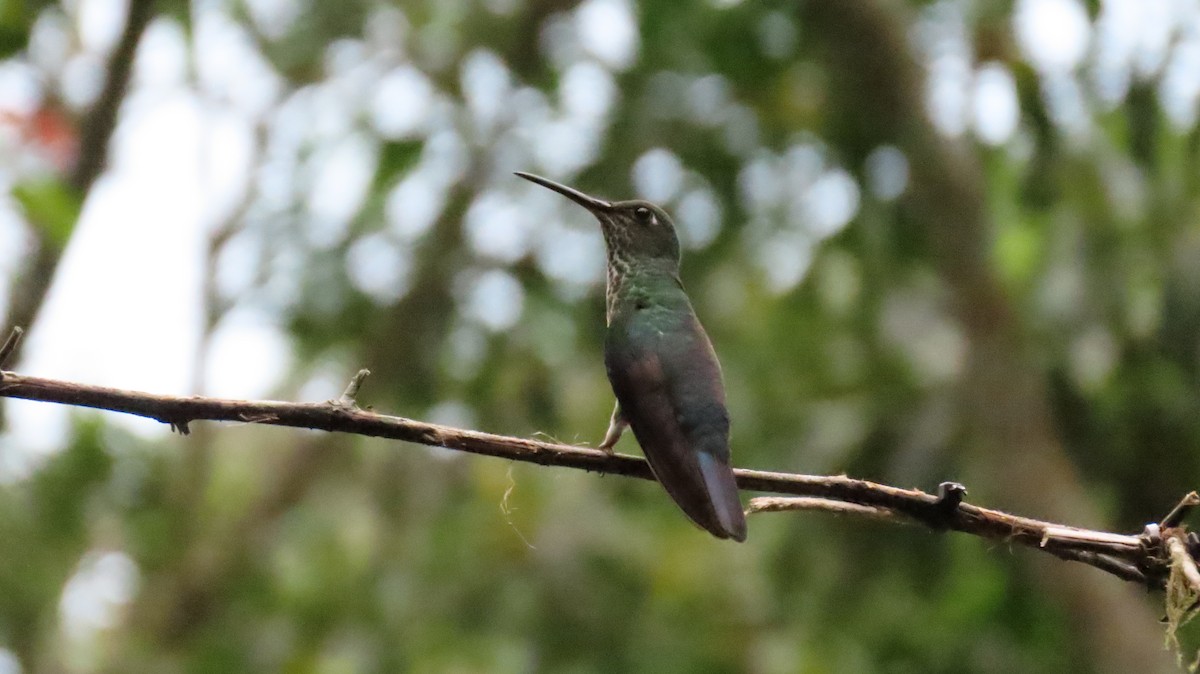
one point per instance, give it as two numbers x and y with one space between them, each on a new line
661 364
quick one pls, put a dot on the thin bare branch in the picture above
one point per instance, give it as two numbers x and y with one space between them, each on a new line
1142 559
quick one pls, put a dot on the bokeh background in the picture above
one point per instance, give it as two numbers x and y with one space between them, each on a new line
931 240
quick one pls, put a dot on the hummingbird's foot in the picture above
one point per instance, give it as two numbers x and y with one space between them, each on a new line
616 427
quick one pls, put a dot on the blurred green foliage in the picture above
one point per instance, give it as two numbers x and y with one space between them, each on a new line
50 204
841 337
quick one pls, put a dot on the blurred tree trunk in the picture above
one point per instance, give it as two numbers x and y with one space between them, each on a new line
1017 460
95 131
36 650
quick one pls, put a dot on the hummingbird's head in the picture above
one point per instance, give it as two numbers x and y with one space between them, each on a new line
634 230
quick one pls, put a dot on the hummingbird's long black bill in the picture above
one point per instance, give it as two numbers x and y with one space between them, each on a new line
591 203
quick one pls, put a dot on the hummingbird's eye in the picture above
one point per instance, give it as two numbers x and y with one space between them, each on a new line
643 214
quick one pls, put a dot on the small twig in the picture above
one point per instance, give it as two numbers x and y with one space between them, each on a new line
1179 512
10 344
1088 539
348 397
775 504
1121 569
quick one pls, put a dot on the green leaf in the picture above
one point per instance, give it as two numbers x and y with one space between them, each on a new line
1017 251
15 19
395 159
51 206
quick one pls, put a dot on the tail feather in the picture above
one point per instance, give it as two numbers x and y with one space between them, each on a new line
723 495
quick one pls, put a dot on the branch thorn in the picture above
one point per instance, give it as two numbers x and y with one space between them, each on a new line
950 495
347 399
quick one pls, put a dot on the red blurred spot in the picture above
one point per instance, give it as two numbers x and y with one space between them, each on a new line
48 132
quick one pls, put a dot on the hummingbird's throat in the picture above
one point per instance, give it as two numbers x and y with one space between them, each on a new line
619 271
632 272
